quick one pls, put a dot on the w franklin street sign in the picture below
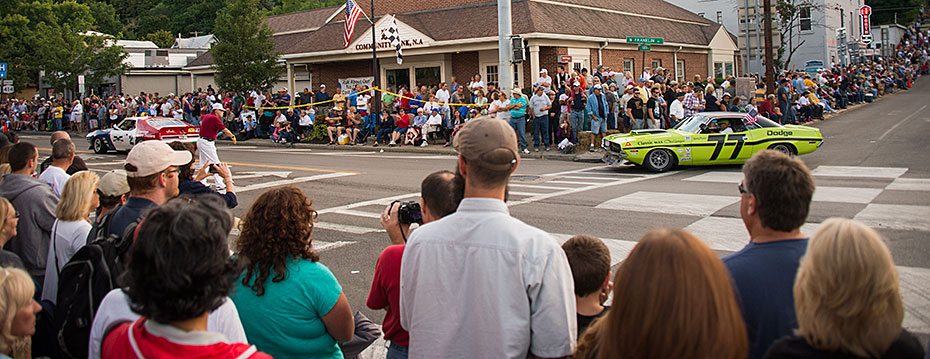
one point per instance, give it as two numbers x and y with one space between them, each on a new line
645 40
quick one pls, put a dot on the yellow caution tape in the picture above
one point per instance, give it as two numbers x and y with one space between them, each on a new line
413 99
373 88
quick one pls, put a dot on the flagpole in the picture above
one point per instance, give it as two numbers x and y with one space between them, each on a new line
375 115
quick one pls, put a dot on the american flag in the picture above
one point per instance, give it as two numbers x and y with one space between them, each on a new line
751 115
352 14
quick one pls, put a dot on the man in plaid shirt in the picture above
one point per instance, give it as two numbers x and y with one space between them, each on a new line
692 102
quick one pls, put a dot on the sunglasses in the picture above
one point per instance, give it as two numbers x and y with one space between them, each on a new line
742 189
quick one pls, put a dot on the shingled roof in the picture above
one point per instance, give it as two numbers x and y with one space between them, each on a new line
602 19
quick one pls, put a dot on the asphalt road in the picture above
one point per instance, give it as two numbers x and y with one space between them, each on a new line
874 166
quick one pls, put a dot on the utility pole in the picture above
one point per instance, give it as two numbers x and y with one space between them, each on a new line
504 53
376 110
769 53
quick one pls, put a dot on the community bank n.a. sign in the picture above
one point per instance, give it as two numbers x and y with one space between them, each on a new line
409 37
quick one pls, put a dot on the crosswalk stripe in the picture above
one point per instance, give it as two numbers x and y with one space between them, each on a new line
523 185
895 216
293 181
909 184
670 203
575 182
345 228
351 212
859 171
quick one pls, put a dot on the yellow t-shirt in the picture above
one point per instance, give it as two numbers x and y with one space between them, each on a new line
58 111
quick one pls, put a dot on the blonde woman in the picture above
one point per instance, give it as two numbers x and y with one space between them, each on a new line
847 299
8 221
69 232
17 312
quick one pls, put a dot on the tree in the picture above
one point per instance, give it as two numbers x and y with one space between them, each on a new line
887 11
244 54
51 37
162 38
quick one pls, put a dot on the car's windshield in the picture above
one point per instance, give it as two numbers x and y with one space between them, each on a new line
691 124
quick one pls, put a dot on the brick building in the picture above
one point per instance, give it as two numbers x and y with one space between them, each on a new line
445 38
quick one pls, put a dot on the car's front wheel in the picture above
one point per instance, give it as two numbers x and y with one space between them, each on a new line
659 160
784 148
99 146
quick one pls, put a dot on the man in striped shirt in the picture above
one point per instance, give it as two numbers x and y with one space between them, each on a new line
692 102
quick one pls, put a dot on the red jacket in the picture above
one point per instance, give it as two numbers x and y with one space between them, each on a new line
117 345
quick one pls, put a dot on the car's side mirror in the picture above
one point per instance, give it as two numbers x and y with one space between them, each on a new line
703 127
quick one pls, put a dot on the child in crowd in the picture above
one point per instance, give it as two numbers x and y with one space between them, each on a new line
589 259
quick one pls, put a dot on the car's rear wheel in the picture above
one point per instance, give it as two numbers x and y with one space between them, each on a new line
99 146
784 148
659 160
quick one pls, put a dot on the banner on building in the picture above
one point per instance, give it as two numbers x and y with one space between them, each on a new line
347 85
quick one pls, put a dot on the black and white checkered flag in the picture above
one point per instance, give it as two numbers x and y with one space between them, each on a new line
394 37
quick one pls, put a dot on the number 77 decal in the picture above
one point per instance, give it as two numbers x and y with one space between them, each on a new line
721 141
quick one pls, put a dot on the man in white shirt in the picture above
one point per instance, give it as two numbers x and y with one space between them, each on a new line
676 110
476 85
479 283
55 175
77 115
545 81
443 94
433 123
725 127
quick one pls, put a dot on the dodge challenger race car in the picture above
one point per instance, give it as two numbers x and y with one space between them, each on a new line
706 139
132 130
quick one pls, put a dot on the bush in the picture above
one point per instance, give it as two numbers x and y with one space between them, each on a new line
319 131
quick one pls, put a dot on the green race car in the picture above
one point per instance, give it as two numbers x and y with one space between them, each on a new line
706 139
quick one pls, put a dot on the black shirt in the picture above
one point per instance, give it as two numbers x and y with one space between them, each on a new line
636 107
584 321
651 107
905 347
711 103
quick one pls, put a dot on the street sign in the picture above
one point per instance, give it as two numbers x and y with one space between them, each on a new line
866 12
565 59
81 84
7 82
644 47
8 89
645 40
867 38
2 70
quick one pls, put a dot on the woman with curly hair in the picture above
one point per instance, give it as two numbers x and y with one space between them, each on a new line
290 304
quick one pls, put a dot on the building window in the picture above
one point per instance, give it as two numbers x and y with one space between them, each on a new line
491 75
656 63
728 68
719 17
628 65
805 18
161 52
701 14
718 70
398 77
680 71
427 76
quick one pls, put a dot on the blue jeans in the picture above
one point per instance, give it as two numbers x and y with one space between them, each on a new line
397 351
541 130
519 125
577 120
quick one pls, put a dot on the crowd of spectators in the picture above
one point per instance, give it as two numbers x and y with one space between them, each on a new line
181 292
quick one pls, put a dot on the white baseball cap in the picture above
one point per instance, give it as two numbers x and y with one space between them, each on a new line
218 106
114 183
151 157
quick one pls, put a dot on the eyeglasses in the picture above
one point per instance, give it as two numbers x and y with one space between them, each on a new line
742 189
175 171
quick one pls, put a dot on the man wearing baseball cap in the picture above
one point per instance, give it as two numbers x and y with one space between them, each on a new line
152 175
518 106
481 252
210 126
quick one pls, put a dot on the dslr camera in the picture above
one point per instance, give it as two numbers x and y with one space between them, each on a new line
408 212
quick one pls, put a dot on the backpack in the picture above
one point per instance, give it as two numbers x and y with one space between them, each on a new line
90 274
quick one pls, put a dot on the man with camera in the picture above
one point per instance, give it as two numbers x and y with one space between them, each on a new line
210 127
439 199
485 271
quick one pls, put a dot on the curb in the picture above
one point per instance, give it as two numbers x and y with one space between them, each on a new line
587 157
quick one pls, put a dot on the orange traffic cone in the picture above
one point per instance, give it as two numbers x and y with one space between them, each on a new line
908 83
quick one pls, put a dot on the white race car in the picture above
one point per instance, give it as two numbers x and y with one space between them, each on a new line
132 130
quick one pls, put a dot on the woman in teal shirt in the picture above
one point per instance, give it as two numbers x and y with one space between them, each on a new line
290 304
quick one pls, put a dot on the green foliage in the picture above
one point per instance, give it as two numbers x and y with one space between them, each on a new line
49 36
244 53
162 38
105 18
319 129
883 11
288 6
